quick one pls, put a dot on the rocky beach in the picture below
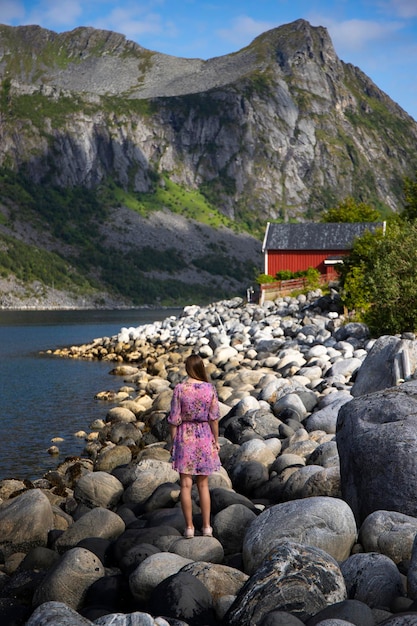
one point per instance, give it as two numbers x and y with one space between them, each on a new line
314 511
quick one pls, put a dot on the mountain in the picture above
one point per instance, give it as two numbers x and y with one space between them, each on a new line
142 169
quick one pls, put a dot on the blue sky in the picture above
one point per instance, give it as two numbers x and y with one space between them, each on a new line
379 36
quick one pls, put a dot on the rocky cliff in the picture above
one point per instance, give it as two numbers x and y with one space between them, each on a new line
280 129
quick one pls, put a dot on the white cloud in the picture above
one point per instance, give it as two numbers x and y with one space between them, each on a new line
135 22
354 35
61 14
11 11
244 29
49 13
402 8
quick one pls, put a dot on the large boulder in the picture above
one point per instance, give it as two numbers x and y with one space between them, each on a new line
295 578
183 597
323 522
390 360
98 489
98 522
152 571
52 613
69 579
390 533
25 522
377 443
373 579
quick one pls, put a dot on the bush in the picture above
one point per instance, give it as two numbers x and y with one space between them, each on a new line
379 280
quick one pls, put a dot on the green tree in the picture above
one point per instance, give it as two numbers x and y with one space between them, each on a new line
379 279
410 196
348 210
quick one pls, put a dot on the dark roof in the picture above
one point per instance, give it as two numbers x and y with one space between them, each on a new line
315 235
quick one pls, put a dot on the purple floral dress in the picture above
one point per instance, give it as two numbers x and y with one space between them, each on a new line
193 406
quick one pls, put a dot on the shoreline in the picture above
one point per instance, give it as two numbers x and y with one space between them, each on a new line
282 371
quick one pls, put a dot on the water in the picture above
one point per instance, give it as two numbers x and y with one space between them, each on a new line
42 396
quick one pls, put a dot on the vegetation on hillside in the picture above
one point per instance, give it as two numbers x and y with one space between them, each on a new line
81 263
379 278
348 210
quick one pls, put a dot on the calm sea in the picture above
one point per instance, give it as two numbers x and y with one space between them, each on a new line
41 396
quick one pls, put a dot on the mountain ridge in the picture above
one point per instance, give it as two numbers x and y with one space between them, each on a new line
280 130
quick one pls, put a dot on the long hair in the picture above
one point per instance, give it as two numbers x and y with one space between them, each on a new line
195 368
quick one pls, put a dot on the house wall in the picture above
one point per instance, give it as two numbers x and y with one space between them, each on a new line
298 260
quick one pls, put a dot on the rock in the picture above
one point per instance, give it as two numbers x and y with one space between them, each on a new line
98 489
230 525
248 476
389 361
325 482
150 474
412 572
199 548
377 442
135 555
135 536
296 578
184 597
295 484
347 611
322 522
390 533
326 417
220 580
68 580
52 613
221 498
25 522
152 571
133 619
99 523
373 579
120 414
112 457
280 618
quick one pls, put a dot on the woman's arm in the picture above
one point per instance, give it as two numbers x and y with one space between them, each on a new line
214 425
173 433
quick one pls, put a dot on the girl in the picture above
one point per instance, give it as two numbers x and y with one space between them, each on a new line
194 433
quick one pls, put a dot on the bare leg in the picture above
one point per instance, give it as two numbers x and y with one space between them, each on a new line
205 503
186 483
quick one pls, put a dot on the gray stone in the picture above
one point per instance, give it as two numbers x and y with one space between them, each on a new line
98 489
154 570
230 526
323 522
131 619
390 533
111 457
295 483
53 613
295 578
346 612
68 580
326 418
373 579
326 482
98 522
389 361
377 443
25 522
219 579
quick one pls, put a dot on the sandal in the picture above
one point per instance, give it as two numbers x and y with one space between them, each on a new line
207 531
189 533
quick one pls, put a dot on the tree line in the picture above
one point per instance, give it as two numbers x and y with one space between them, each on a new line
378 281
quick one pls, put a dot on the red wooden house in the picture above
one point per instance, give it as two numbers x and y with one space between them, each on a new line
297 247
